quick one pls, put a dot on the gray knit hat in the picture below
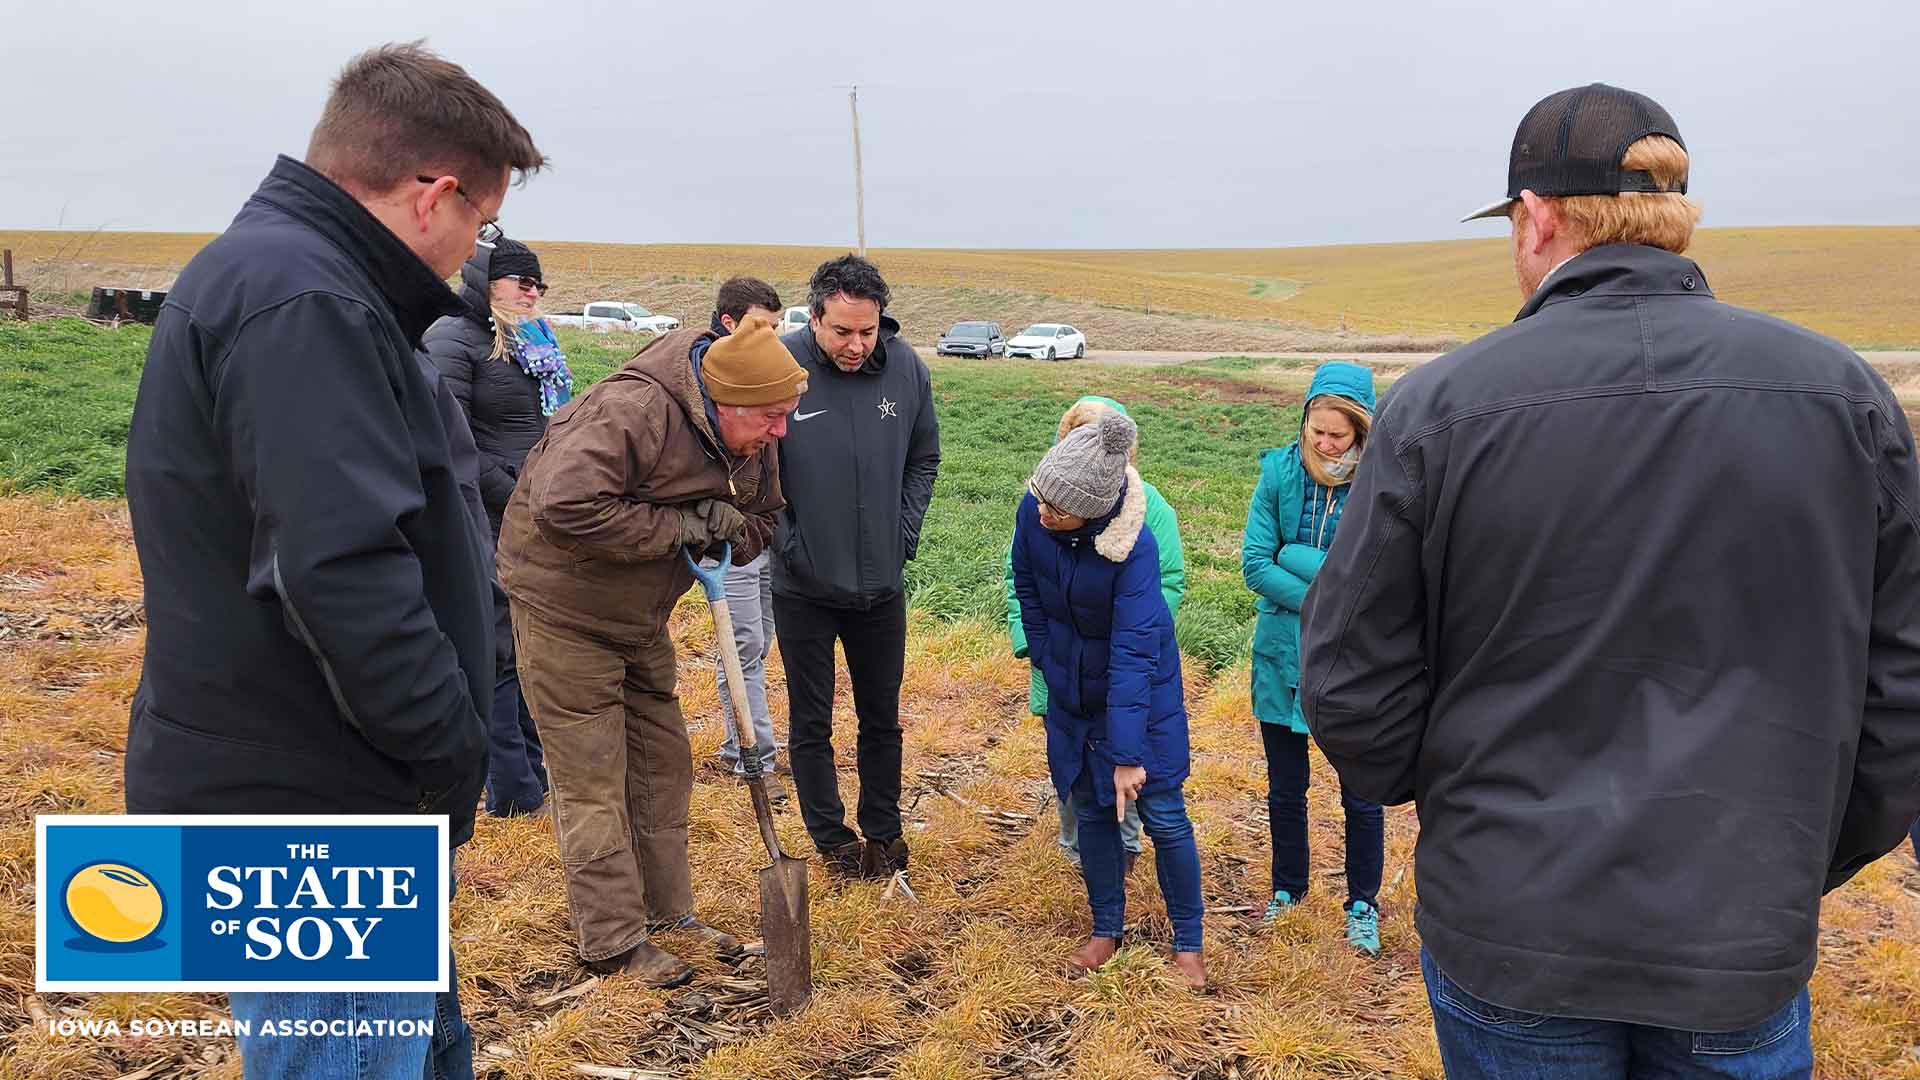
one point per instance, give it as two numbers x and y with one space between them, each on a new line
1086 473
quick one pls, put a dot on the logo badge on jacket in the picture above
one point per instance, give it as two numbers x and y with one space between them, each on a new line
887 408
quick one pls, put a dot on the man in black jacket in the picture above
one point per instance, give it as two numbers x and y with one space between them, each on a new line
857 467
317 592
1627 597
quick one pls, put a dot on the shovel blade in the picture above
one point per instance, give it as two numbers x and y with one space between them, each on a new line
788 934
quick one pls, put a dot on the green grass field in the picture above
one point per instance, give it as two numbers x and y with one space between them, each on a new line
67 390
66 395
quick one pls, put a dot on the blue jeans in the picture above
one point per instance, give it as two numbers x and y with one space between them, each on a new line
1482 1040
516 769
1288 773
1176 858
1070 829
444 1053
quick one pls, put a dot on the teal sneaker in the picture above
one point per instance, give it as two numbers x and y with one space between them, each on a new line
1281 901
1363 927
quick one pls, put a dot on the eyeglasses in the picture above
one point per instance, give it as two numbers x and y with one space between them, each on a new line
489 227
530 284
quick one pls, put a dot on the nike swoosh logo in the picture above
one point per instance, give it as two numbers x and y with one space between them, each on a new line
807 415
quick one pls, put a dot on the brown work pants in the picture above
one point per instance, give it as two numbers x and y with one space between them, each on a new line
622 772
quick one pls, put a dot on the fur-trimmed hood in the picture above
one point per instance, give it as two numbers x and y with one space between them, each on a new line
1116 539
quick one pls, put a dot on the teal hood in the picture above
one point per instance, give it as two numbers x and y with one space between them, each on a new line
1348 380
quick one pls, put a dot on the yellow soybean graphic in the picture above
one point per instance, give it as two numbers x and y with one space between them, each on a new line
114 902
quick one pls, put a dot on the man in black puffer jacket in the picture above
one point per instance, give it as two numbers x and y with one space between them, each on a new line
479 361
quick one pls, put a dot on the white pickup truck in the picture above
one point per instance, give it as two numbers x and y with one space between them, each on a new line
606 315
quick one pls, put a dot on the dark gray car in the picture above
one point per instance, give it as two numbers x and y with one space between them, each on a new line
972 339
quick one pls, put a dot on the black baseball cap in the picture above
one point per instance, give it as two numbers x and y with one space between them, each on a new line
1571 143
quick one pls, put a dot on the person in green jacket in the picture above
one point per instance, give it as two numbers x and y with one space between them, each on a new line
1296 509
1165 527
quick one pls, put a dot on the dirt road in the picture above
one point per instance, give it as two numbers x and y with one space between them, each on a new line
1901 361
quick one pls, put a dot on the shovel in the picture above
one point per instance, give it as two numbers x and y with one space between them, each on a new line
784 926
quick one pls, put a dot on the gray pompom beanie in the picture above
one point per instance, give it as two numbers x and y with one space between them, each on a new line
1085 474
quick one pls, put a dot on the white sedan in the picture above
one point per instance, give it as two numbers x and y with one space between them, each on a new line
1048 341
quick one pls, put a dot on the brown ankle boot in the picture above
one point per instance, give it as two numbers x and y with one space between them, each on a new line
1097 951
843 862
656 967
1193 968
722 942
879 861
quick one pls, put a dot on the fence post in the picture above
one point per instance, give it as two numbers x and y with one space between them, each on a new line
16 297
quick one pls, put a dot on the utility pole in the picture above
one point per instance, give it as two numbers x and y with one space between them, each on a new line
859 180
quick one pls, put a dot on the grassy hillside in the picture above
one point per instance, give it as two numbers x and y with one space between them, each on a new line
1861 285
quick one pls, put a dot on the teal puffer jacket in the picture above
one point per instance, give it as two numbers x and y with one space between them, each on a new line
1280 571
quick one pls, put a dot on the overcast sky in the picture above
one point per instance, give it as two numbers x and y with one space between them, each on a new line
1043 123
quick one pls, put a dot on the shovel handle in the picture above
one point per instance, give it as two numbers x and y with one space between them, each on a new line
714 581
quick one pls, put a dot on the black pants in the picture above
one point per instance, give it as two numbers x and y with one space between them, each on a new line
876 645
1288 772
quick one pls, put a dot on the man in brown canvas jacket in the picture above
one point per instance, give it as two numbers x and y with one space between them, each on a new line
676 450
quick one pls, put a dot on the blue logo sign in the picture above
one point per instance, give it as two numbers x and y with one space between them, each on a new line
242 903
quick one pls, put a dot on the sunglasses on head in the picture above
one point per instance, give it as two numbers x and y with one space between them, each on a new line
525 282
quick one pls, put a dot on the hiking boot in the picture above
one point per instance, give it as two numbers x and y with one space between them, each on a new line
1097 951
776 791
1192 968
1363 927
1282 900
881 861
843 862
720 941
650 964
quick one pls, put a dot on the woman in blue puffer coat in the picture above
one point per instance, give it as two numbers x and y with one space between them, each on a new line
1295 512
1087 573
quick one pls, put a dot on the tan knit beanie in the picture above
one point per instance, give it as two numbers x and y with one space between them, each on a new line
751 367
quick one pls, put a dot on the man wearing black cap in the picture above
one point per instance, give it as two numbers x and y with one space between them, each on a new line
1628 598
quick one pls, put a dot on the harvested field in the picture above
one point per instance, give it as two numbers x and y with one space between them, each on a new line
1854 283
960 980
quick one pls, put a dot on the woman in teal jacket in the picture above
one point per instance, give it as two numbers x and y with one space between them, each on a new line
1165 527
1295 512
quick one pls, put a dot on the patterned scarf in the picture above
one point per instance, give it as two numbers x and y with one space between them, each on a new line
538 354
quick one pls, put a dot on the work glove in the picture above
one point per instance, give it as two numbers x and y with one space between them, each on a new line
755 536
710 523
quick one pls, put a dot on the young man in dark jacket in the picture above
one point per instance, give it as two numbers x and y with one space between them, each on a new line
857 469
317 592
1628 598
749 587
